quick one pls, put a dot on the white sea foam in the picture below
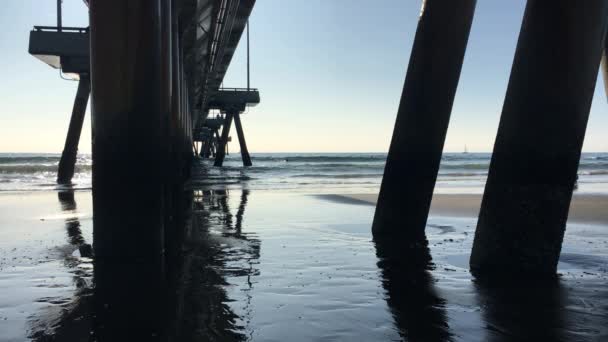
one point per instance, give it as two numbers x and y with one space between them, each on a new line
309 172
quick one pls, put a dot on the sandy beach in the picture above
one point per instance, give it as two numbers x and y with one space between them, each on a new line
258 261
583 209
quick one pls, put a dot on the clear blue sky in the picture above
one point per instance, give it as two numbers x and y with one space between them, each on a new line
330 75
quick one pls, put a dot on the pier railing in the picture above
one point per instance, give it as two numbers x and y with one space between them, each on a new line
61 29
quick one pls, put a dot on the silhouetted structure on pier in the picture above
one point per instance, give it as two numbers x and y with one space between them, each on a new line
233 102
67 49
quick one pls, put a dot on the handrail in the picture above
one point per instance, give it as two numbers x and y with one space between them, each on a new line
63 29
238 89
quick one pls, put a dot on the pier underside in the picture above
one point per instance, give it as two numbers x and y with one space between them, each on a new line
154 70
173 257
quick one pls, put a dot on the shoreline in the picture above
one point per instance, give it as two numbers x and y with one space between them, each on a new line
584 208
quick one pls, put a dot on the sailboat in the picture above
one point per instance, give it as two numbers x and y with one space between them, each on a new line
466 150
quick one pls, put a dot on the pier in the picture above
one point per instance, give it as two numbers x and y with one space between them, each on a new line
155 69
176 241
539 141
154 72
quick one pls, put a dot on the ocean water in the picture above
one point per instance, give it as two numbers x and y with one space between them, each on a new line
300 172
260 264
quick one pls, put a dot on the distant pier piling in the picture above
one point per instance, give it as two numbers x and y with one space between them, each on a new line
206 149
538 147
233 102
242 143
67 162
422 119
220 154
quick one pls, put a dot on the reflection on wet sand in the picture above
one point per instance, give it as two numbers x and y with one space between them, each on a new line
523 310
72 224
69 323
316 281
184 300
418 311
135 300
211 243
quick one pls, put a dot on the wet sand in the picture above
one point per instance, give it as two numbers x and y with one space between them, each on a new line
583 209
274 266
43 278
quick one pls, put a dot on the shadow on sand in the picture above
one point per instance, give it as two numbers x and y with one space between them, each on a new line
417 309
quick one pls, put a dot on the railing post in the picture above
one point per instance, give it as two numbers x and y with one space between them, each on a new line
59 16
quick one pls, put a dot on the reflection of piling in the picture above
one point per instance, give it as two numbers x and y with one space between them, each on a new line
70 150
524 310
417 309
130 302
72 224
224 207
423 116
241 211
540 136
204 268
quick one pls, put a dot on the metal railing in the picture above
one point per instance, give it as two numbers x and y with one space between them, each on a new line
237 89
61 29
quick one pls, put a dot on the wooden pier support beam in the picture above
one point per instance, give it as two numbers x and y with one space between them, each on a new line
221 147
206 148
422 119
242 142
67 163
129 121
214 146
537 150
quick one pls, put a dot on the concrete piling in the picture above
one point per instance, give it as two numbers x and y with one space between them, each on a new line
70 150
206 147
422 119
221 148
243 144
538 146
128 137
